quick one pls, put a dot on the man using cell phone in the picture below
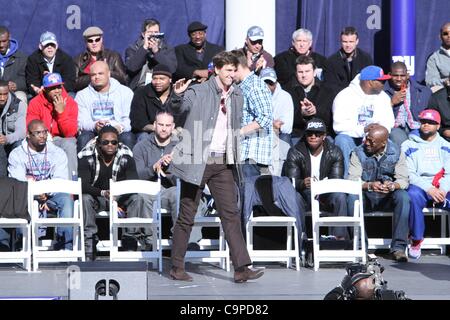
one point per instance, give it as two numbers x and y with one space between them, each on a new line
148 51
408 99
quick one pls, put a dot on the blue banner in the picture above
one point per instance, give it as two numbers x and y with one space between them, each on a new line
403 33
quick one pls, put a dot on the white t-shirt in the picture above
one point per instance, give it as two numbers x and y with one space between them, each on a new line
315 166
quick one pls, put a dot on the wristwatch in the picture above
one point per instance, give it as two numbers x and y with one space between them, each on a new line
369 187
392 186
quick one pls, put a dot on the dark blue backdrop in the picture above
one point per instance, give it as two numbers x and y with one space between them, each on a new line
121 21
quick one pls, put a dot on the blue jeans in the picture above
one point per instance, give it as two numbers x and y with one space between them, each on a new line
399 199
346 144
250 169
419 200
399 135
64 205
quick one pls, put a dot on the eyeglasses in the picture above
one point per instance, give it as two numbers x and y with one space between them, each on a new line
223 107
39 133
445 33
106 142
316 134
94 40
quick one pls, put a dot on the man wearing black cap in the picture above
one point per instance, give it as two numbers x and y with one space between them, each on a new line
151 99
313 158
193 58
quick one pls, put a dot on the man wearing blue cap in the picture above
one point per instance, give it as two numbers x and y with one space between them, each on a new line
363 102
257 57
59 112
49 58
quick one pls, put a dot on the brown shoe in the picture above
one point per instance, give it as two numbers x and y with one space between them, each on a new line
400 256
247 274
179 274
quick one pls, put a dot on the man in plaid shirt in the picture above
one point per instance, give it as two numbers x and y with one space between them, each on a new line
257 130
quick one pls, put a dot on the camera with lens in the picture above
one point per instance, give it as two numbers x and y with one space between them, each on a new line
364 282
157 36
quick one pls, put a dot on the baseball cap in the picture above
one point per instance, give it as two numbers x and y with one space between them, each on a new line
92 31
47 37
429 114
162 69
268 74
374 73
316 125
255 33
51 80
196 26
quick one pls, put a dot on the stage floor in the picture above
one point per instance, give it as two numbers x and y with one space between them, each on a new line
426 279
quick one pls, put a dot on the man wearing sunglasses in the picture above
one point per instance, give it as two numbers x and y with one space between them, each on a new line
257 57
100 160
95 51
313 158
49 58
438 64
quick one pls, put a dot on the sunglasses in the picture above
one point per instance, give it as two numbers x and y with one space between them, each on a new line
316 134
256 42
445 33
223 107
94 40
106 142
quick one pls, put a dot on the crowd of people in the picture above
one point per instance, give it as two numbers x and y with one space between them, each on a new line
207 116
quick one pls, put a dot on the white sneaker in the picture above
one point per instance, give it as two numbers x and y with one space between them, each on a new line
415 251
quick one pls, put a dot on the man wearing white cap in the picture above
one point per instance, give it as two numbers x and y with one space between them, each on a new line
257 57
47 59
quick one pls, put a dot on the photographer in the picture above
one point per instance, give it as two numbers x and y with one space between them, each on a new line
148 51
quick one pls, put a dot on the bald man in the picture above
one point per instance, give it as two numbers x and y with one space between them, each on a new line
104 102
383 170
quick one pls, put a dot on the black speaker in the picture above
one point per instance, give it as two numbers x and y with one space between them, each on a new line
99 280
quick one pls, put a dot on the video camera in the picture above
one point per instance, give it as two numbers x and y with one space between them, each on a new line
158 36
364 282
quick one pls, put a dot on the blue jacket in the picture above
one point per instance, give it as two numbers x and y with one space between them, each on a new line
419 97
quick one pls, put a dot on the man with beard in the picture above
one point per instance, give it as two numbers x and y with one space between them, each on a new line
382 168
193 58
428 159
151 99
438 64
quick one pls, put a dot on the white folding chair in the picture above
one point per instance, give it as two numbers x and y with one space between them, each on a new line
40 252
151 188
284 255
23 256
356 221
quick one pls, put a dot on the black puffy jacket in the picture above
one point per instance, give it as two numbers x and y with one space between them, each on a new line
298 163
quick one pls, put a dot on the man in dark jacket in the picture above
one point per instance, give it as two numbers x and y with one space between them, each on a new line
151 99
193 58
100 160
215 112
313 159
408 99
344 65
382 167
440 101
302 40
257 57
311 97
148 51
12 64
95 51
49 58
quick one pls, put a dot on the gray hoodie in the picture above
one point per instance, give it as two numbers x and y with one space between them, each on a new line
13 121
113 105
51 163
425 159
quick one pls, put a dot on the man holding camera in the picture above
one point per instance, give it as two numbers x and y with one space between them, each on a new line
148 51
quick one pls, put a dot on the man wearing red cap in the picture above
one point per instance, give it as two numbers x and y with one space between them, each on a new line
59 112
428 158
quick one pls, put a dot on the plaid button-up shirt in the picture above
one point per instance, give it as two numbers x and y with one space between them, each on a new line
257 107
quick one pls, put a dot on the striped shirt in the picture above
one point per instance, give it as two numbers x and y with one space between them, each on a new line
257 107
